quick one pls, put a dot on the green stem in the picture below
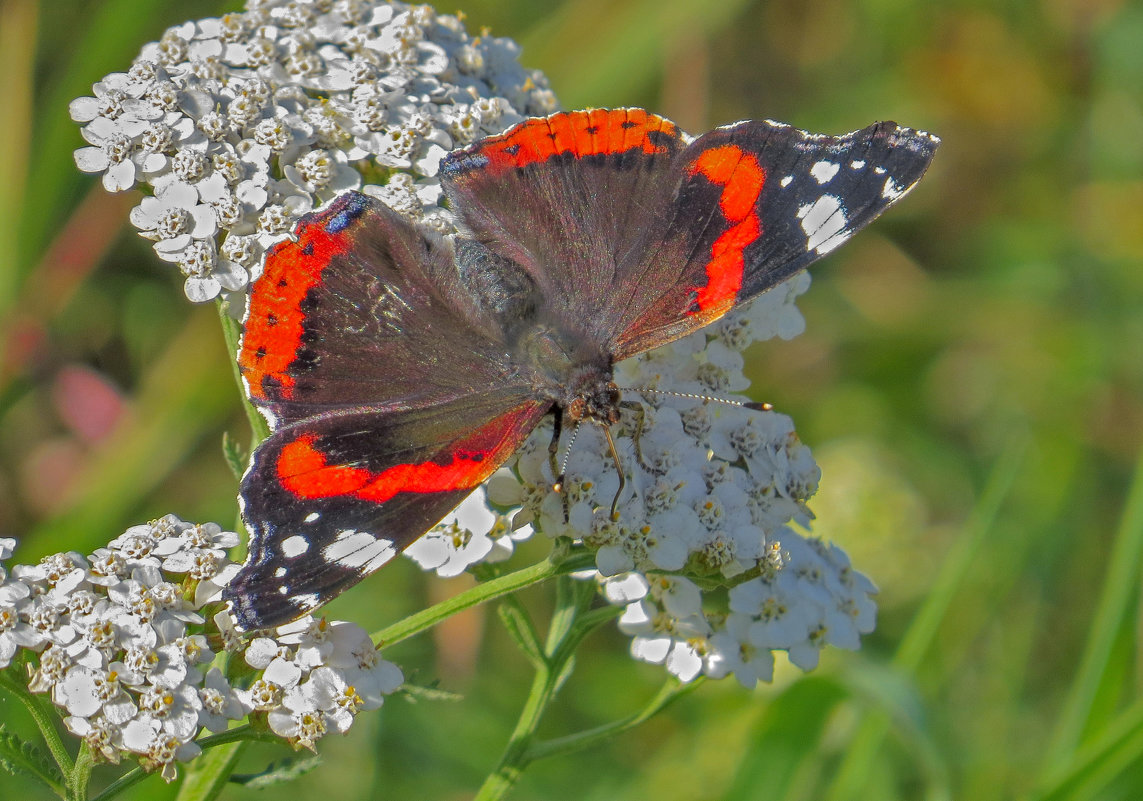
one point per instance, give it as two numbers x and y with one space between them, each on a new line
515 757
77 780
44 720
232 332
207 776
671 690
243 733
571 622
238 735
128 779
554 565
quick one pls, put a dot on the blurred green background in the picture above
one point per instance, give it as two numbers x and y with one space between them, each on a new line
971 381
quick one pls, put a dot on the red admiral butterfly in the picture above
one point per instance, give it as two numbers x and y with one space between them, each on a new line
399 368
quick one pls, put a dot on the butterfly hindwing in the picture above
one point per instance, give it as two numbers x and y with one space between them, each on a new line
331 499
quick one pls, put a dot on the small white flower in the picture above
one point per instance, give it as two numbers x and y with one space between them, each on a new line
101 735
460 540
299 718
174 216
206 272
220 703
115 97
731 652
85 692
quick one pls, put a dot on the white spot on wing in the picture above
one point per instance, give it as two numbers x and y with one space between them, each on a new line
879 170
307 601
892 190
824 171
786 181
857 164
824 223
281 571
311 517
294 546
359 549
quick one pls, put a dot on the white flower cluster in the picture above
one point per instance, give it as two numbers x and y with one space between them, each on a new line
240 124
710 490
119 641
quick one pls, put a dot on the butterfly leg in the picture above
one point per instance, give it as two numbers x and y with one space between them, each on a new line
618 470
637 435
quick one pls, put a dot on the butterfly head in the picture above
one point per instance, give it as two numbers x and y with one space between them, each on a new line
594 399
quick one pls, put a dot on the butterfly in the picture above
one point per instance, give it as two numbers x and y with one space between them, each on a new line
399 368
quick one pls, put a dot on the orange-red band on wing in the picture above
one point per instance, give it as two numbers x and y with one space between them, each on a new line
274 325
741 178
580 133
305 470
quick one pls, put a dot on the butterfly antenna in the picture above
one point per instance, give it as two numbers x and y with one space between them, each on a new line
561 475
567 455
753 405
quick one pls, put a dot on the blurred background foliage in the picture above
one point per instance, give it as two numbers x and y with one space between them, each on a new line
971 381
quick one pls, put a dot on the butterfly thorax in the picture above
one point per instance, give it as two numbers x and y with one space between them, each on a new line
576 377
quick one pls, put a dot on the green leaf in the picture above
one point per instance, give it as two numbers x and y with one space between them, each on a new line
232 333
17 756
284 770
418 692
516 621
567 667
236 456
1113 621
1098 764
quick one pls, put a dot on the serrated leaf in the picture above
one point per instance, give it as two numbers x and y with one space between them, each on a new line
415 692
522 632
566 670
17 756
285 770
235 455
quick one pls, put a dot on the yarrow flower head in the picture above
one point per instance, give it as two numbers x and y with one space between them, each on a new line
235 126
121 642
701 552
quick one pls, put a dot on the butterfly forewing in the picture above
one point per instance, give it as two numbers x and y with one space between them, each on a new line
379 357
756 203
363 307
575 198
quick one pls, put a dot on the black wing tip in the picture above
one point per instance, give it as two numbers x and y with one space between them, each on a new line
916 141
